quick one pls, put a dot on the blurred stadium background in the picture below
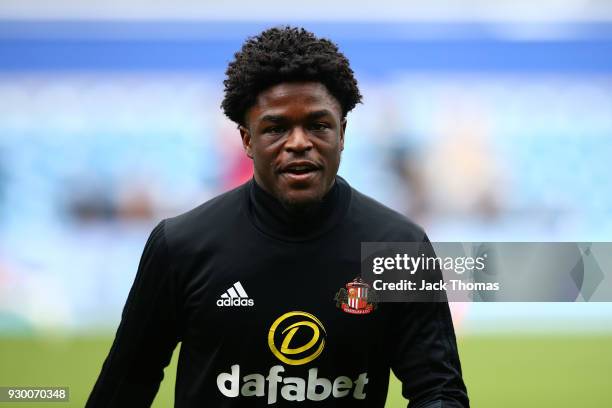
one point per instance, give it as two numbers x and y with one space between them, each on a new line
485 121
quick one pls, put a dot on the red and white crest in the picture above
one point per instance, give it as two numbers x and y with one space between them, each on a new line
356 298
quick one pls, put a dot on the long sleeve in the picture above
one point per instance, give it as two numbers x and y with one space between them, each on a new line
425 358
147 334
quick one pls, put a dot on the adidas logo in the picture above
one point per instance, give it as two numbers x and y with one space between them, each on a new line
235 296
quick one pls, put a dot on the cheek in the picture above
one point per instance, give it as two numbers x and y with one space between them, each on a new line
332 151
264 158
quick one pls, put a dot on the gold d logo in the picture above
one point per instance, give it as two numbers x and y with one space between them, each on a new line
292 324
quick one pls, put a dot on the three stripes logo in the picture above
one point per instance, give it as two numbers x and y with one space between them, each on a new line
235 296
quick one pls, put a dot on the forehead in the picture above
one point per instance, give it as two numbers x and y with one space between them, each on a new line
294 98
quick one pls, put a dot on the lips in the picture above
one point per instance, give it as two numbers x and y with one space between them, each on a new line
300 172
300 167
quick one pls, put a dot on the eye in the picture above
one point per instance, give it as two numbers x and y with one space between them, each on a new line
319 127
275 129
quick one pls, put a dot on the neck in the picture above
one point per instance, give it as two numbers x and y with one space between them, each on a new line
295 222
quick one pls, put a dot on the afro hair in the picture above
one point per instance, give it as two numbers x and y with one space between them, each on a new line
286 54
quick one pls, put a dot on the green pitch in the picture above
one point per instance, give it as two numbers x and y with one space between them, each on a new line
500 372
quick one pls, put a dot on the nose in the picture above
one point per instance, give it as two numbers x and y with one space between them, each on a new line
298 140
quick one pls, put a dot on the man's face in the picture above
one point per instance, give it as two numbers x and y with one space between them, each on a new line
295 133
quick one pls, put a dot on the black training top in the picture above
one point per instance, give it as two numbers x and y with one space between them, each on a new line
248 289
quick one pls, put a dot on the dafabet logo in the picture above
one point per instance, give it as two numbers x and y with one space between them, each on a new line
284 330
295 338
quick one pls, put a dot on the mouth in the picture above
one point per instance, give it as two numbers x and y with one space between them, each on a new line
300 170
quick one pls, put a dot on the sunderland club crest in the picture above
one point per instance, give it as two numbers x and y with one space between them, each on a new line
357 298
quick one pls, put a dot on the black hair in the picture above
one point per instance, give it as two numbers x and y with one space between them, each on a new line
286 54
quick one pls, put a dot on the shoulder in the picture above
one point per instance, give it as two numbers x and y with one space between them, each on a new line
208 219
381 222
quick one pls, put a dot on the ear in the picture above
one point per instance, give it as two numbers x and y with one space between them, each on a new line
342 131
245 134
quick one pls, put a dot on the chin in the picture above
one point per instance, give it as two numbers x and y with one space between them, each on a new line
301 199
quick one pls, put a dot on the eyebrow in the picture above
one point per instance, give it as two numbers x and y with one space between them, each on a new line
319 114
281 119
273 118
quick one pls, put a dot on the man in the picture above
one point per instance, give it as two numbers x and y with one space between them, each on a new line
246 281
